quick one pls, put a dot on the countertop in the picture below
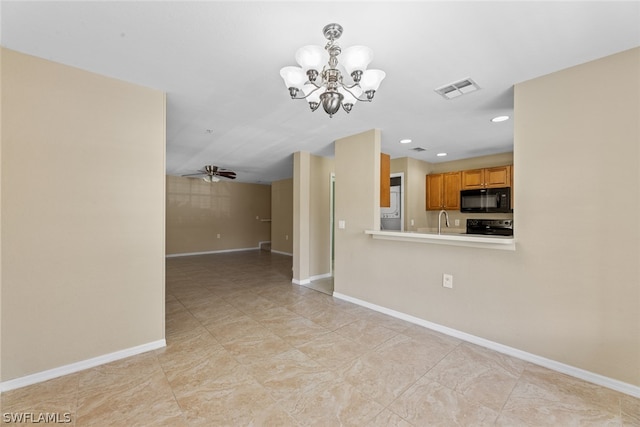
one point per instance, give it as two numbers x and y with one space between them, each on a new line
453 239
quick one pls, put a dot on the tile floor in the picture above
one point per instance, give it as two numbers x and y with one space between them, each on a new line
245 347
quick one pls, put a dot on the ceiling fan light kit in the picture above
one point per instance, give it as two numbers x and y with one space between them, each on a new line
331 91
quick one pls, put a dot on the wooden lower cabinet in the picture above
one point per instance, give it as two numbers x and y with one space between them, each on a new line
443 191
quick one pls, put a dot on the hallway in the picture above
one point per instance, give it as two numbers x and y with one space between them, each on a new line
247 347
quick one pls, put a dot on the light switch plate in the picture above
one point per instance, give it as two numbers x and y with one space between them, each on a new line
341 224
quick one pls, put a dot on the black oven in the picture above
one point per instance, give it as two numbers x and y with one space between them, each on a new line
490 227
487 200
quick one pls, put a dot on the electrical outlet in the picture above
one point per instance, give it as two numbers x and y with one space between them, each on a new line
457 222
286 237
218 235
412 222
447 280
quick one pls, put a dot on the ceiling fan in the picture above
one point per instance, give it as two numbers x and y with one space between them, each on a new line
212 173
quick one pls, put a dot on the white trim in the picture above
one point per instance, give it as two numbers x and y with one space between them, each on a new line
582 374
80 366
211 252
320 276
310 279
281 253
332 220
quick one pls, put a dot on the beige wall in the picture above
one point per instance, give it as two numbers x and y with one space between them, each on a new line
82 214
358 205
198 211
414 190
571 290
501 159
282 216
580 154
301 216
1 72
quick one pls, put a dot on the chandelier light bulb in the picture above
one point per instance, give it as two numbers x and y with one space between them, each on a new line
371 80
320 78
311 58
348 97
356 58
312 94
294 77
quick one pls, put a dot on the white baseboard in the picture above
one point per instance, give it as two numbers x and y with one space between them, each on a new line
79 366
281 253
582 374
320 276
311 279
210 252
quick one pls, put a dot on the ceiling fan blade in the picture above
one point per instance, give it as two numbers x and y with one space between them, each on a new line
227 174
211 171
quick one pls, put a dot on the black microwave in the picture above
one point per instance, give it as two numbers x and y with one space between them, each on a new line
486 200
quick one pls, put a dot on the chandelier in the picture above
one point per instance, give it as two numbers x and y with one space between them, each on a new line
332 91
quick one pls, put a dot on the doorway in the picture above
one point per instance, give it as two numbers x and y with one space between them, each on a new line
392 217
324 284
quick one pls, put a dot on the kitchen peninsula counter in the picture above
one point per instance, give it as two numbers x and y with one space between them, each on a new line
506 243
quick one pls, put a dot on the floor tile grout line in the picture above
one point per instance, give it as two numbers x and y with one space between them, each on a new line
173 392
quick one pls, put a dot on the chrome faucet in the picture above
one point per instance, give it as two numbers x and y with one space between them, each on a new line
446 220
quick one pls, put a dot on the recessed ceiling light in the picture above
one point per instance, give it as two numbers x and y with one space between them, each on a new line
441 154
500 119
405 141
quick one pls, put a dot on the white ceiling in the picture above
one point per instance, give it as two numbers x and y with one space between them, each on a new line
219 64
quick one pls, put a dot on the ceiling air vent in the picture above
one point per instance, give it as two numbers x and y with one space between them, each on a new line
456 89
418 149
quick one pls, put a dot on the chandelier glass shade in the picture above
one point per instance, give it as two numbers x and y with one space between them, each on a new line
320 80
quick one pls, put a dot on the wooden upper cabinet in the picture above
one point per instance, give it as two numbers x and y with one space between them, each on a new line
499 176
435 183
451 190
443 191
385 180
472 179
